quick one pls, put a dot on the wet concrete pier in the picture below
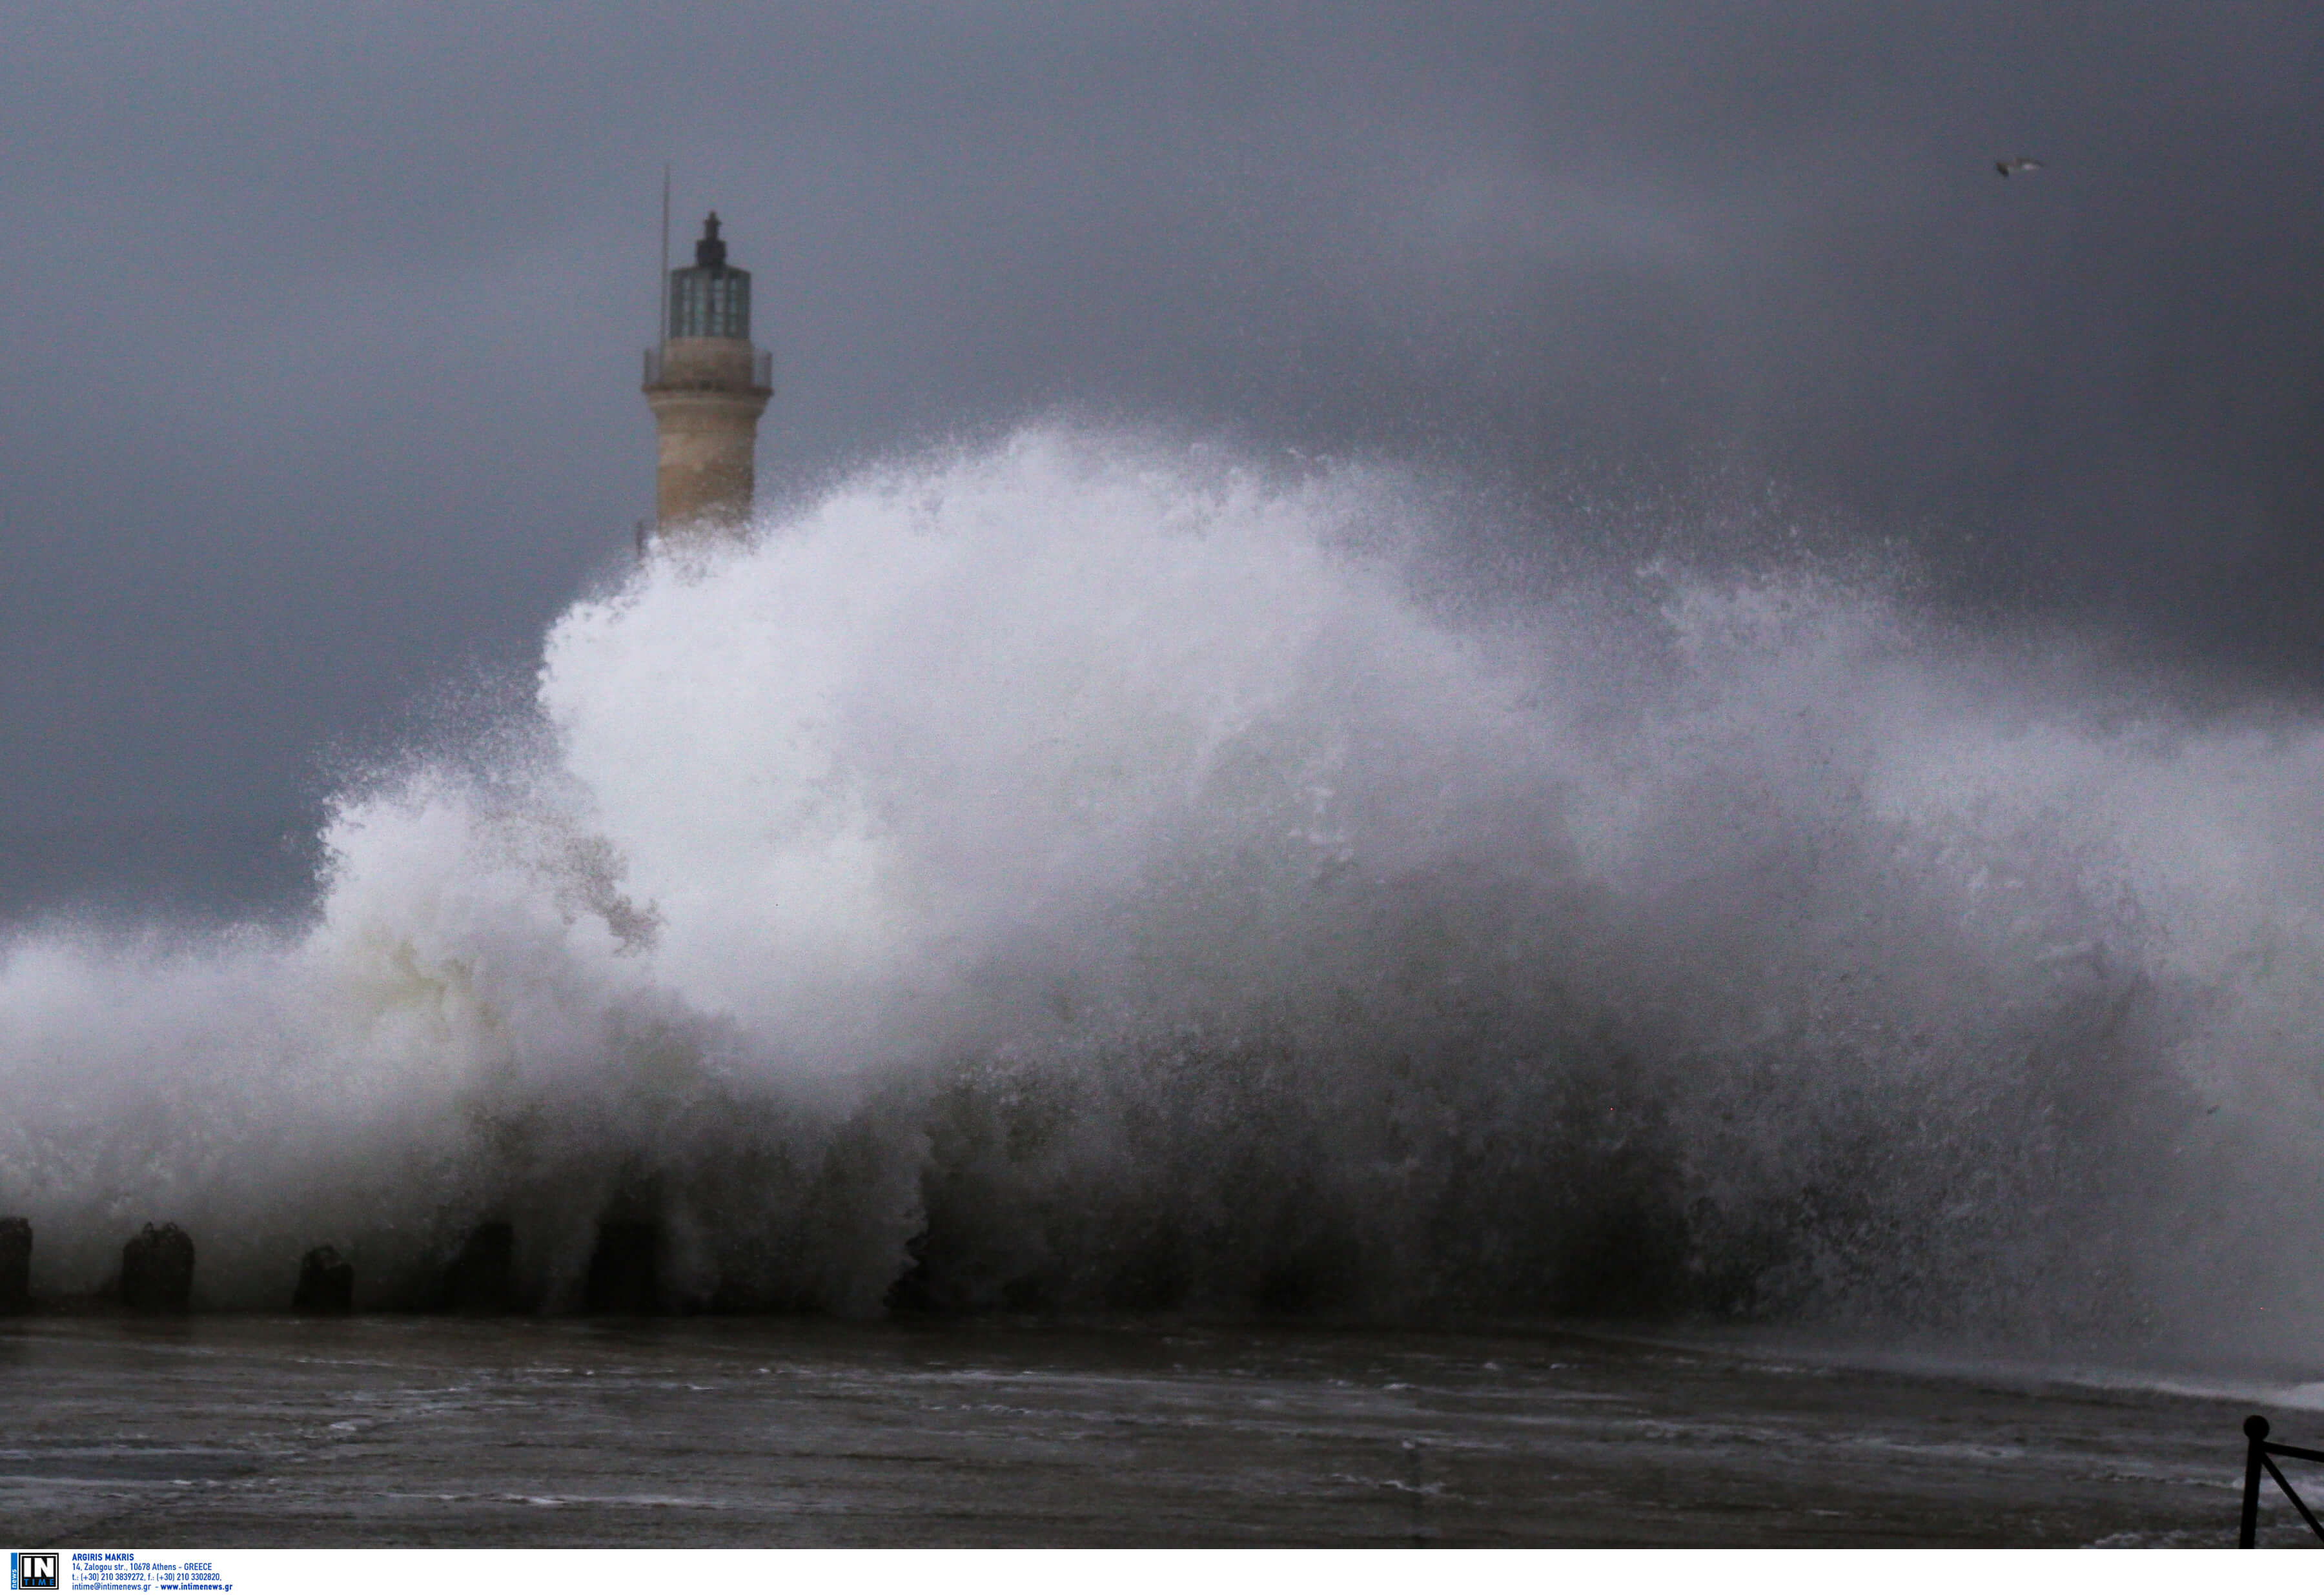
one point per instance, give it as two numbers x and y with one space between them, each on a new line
224 1431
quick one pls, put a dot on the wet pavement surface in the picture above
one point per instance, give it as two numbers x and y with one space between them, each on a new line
404 1431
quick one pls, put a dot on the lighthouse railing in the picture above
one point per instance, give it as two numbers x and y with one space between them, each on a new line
762 367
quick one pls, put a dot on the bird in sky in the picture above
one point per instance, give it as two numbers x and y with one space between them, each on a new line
2013 165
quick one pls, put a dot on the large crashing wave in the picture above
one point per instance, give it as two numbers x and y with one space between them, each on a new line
1091 876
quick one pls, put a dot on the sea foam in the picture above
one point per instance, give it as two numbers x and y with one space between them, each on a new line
1094 874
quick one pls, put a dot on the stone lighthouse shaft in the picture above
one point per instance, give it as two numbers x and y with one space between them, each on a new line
706 386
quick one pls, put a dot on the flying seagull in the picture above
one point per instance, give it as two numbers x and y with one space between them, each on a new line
2010 166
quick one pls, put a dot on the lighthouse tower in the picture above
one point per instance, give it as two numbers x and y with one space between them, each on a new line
706 386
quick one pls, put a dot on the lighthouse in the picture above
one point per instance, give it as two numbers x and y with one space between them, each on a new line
706 386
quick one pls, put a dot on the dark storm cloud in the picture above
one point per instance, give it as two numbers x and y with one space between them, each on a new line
321 328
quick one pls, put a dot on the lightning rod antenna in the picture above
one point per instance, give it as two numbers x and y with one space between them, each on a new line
662 289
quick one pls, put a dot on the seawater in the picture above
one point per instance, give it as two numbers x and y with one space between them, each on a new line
1091 875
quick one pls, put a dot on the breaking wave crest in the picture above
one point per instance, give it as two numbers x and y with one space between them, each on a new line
1087 875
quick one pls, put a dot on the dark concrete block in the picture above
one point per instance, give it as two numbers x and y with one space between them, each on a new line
483 1278
157 1270
624 1271
327 1282
15 1265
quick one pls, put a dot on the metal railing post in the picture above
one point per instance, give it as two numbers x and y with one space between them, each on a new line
2256 1431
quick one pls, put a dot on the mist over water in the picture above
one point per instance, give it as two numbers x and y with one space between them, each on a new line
1095 875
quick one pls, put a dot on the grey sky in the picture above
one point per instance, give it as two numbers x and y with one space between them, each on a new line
320 341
